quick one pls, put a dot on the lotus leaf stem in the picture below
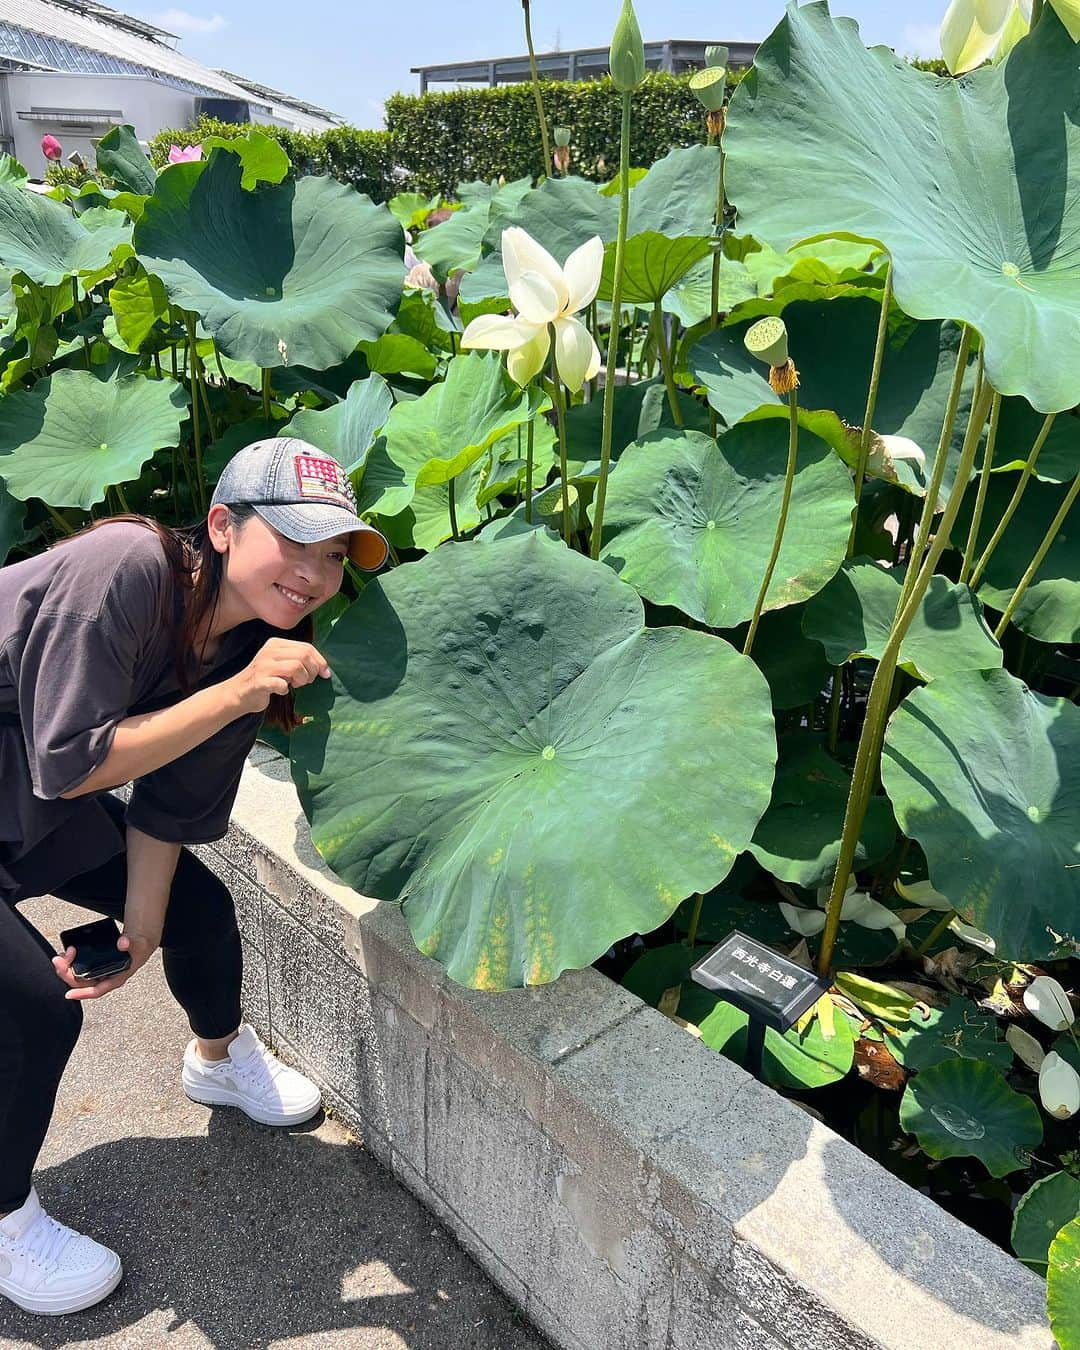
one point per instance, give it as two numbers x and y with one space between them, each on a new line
608 421
1010 510
195 428
666 364
545 143
871 401
59 519
529 470
944 441
157 365
453 508
935 932
266 394
1040 553
778 538
984 484
714 282
695 919
217 362
123 499
868 754
559 398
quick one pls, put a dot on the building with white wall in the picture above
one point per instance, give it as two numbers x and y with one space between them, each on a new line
75 68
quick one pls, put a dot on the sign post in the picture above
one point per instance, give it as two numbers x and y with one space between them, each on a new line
772 990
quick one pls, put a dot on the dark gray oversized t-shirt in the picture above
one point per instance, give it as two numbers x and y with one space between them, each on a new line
86 638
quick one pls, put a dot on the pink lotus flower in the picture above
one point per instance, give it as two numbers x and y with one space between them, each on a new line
177 155
51 147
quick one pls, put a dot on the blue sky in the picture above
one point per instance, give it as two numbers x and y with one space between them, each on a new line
349 58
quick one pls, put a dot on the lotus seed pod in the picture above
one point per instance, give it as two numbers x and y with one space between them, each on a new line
709 86
1059 1087
767 340
562 135
716 56
627 56
1045 999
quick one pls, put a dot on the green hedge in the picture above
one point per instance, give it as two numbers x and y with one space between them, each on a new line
434 141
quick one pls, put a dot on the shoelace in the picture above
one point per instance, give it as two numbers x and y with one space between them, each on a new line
259 1069
46 1239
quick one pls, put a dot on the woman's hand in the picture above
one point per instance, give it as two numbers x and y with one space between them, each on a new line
137 945
279 665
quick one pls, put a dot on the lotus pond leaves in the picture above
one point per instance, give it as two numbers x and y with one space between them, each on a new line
486 702
346 430
976 200
690 521
1063 1286
294 274
1041 1214
984 773
49 244
958 1031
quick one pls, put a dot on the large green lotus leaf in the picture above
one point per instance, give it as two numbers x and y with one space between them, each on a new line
11 171
1041 1214
690 521
425 522
346 430
430 439
793 663
1063 1286
49 243
639 408
832 343
1020 424
399 354
958 1031
1049 610
964 1108
295 274
805 1059
138 303
506 749
652 265
798 837
853 615
971 185
677 198
985 775
264 158
690 299
120 155
73 435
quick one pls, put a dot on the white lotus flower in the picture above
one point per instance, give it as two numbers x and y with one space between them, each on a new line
1045 999
972 30
1059 1086
807 922
543 293
974 935
921 893
857 907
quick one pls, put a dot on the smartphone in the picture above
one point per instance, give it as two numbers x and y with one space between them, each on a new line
96 954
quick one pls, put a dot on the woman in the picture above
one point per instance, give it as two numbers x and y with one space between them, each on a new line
135 652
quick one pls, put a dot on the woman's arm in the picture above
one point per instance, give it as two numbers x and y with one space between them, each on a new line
151 865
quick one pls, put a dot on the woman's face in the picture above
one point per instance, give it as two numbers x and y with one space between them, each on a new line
269 577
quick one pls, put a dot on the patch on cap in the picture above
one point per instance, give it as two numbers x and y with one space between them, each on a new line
322 479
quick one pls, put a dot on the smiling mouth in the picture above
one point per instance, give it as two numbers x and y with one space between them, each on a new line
294 597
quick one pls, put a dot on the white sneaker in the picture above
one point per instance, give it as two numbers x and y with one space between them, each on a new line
47 1268
253 1079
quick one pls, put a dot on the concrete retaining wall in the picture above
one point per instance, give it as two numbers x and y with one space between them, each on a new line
627 1187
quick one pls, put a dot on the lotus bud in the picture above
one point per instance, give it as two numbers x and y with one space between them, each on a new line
716 56
1059 1087
767 340
1026 1048
51 148
626 59
1046 1000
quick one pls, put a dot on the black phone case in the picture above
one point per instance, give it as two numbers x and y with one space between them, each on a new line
95 949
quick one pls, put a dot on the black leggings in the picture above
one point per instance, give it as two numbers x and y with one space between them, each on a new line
203 963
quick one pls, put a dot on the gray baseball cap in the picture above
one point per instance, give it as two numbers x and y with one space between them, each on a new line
303 492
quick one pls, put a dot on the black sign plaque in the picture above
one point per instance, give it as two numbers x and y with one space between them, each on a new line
759 981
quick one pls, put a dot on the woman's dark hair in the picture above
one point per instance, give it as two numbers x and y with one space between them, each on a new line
196 568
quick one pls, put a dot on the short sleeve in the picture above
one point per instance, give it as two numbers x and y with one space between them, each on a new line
190 800
74 674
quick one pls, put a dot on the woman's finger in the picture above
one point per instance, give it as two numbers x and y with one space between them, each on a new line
97 990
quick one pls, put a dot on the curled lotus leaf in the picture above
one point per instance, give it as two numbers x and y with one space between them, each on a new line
292 274
964 1108
72 435
690 521
984 774
972 185
505 749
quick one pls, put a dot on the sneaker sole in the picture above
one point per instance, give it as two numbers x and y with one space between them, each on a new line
55 1305
208 1096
